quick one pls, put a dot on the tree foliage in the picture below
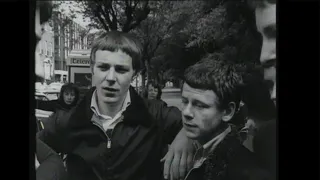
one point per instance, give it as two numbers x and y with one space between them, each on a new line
176 34
115 15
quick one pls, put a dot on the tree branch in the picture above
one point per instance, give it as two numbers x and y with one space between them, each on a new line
128 13
108 5
142 16
100 11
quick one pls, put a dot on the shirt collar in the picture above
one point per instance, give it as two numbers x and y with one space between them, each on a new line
210 145
94 105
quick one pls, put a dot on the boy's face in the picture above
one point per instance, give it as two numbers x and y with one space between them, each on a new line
200 114
266 25
112 75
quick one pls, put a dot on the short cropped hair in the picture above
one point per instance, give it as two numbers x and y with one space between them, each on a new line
260 3
217 75
45 8
114 41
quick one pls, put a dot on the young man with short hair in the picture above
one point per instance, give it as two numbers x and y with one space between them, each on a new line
113 133
210 96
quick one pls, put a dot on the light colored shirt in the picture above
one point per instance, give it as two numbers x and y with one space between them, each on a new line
203 151
105 121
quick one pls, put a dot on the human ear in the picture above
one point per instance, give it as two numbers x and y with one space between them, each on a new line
229 112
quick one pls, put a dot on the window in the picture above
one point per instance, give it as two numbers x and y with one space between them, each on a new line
51 49
47 48
42 47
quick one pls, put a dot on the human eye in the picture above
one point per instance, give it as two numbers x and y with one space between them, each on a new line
103 67
121 69
184 100
200 105
270 31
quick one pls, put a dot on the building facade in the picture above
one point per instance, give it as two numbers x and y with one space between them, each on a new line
45 51
69 35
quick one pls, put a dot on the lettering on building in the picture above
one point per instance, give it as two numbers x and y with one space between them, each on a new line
80 61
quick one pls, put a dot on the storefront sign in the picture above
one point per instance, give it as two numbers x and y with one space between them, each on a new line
80 62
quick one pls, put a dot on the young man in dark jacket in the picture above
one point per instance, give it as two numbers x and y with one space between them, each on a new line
113 133
210 96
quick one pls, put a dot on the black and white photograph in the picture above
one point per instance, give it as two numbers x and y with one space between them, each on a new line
155 90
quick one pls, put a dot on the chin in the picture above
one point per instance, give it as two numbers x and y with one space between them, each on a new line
191 135
110 100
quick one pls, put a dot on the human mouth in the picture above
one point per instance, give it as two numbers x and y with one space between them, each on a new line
189 126
110 90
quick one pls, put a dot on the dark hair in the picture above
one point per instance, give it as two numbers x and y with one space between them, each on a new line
69 87
114 41
217 75
146 92
260 3
45 8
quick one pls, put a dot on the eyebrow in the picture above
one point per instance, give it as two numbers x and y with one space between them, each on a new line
115 65
270 30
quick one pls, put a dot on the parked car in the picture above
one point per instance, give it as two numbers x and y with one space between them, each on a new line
41 96
41 114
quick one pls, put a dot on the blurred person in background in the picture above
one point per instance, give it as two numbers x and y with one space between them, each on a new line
49 165
68 98
153 91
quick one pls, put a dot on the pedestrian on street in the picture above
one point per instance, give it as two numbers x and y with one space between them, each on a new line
49 165
153 91
113 133
68 98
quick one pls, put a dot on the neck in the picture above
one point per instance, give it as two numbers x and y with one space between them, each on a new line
110 109
203 140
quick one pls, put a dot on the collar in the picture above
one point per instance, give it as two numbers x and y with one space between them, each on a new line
82 114
94 106
212 144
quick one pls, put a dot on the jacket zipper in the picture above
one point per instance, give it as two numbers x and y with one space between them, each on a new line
109 139
192 167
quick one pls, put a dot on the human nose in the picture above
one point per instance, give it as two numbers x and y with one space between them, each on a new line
111 75
268 50
187 112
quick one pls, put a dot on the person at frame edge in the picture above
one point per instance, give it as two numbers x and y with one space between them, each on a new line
113 133
265 139
49 165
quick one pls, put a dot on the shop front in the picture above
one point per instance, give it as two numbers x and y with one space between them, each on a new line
79 71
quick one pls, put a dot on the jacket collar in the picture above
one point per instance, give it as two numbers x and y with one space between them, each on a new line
136 113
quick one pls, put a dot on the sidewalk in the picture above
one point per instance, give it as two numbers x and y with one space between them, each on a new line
170 90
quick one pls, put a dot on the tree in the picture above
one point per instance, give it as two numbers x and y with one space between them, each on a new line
115 15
